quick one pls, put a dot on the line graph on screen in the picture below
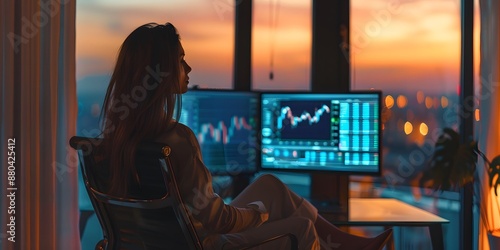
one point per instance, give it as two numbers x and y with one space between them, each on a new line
288 116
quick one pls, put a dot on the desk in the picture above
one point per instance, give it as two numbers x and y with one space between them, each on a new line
391 212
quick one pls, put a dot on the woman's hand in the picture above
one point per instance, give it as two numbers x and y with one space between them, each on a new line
259 208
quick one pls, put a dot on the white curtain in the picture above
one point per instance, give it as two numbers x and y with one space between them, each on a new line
38 109
489 124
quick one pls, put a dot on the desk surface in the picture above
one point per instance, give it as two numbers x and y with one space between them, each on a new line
386 211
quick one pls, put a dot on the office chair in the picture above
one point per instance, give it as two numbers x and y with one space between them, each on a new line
152 216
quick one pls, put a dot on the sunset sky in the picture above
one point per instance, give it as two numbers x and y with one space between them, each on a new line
396 44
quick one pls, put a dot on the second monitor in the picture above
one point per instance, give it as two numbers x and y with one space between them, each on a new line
226 124
333 132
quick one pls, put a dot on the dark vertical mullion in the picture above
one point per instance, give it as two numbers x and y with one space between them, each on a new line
466 115
330 65
330 72
242 71
242 74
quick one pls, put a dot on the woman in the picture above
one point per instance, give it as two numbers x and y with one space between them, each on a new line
142 98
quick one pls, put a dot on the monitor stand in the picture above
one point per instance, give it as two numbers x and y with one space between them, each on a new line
330 194
240 182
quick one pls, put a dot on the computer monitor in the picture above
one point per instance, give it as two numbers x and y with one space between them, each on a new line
332 132
327 135
226 124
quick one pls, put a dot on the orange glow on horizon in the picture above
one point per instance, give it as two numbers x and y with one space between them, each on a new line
404 51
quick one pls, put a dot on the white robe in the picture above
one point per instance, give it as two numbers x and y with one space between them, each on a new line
222 226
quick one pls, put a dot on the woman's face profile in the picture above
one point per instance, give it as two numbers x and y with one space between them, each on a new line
184 70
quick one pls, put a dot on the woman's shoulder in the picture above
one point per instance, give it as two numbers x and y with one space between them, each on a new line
177 133
181 138
182 128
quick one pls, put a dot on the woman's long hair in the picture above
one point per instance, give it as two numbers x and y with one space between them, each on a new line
142 97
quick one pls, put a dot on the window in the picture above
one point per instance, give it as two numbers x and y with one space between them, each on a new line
411 51
281 44
206 29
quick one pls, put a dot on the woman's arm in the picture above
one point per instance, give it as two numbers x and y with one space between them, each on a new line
195 186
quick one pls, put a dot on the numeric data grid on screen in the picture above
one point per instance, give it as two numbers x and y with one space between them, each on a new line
226 126
323 132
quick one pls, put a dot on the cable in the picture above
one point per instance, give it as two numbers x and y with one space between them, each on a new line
273 24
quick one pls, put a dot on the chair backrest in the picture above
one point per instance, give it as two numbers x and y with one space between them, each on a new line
152 216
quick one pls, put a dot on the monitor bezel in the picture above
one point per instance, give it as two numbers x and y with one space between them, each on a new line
329 171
